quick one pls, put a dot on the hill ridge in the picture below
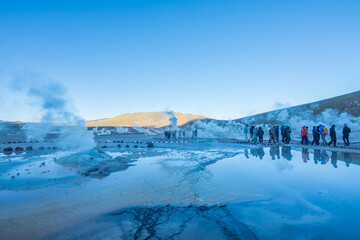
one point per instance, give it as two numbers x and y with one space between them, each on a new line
144 119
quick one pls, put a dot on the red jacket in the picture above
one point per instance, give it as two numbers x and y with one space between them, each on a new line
303 132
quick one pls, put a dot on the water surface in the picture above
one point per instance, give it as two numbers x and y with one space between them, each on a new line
190 191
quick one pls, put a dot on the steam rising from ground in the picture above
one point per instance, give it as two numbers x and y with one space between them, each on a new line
328 117
57 115
172 119
295 119
235 129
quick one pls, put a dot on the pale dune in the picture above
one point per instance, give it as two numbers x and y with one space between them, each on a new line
143 119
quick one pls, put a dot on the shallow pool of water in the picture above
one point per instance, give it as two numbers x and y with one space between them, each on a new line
198 191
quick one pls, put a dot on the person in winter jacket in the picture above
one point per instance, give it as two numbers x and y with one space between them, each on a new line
252 133
255 135
323 133
303 136
288 135
283 134
272 135
260 134
332 135
346 133
314 133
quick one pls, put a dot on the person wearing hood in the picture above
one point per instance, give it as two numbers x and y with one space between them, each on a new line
260 134
255 135
316 134
288 135
332 135
252 133
323 133
272 135
346 133
303 136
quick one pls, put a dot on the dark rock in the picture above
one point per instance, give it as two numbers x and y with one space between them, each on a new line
8 149
19 149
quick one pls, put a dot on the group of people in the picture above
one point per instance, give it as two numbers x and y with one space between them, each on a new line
321 132
320 156
179 134
257 134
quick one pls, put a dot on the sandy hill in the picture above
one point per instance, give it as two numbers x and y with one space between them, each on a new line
143 119
349 103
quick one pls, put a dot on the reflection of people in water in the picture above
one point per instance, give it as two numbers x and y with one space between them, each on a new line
246 152
286 152
348 159
324 157
274 151
317 155
253 152
305 155
334 159
257 152
261 152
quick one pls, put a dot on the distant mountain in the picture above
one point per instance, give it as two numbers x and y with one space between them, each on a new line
349 103
144 119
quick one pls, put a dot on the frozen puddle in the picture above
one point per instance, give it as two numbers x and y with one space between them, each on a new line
202 191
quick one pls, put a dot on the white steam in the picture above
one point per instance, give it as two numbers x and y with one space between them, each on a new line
57 116
172 119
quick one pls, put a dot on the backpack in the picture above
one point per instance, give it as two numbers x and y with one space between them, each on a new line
325 130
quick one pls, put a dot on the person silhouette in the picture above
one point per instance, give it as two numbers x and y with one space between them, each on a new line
286 153
272 152
254 152
324 157
261 153
334 158
348 159
317 155
305 155
246 152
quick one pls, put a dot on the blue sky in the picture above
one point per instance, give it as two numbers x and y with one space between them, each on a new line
222 59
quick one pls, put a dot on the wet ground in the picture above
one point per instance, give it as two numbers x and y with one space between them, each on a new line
184 191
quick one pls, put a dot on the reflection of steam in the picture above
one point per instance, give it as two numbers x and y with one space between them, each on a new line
57 114
191 171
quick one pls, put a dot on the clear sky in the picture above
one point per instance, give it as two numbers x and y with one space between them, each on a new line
223 59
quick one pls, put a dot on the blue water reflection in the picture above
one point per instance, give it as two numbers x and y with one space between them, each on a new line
200 191
321 157
306 193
